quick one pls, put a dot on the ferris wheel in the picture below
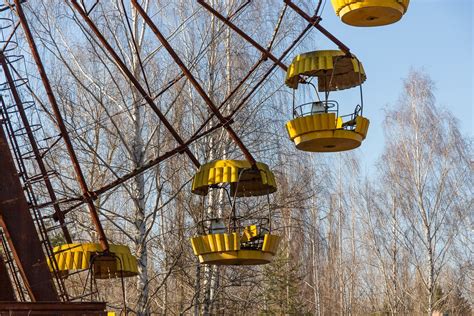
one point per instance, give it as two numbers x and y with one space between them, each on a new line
233 237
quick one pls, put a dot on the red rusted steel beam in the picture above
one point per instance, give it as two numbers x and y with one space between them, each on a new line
50 308
231 94
196 135
315 22
134 81
249 73
39 159
7 293
20 230
62 127
264 51
195 83
269 71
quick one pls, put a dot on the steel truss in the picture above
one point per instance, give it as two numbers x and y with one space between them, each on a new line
62 207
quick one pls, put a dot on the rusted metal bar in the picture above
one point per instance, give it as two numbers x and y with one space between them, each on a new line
134 80
32 201
269 71
20 231
39 158
157 160
7 293
194 82
315 22
49 308
264 51
178 149
62 127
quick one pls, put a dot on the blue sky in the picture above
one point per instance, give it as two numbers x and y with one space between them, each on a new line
434 35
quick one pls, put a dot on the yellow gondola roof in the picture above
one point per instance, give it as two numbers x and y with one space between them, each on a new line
238 174
70 257
334 70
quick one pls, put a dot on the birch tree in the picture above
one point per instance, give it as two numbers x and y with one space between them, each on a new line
427 175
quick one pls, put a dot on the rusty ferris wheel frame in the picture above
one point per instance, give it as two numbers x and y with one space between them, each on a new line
88 196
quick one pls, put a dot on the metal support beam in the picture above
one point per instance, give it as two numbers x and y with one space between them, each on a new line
20 231
134 80
315 22
38 157
49 308
264 51
197 135
62 127
195 83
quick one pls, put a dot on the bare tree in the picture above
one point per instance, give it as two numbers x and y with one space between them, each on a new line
427 176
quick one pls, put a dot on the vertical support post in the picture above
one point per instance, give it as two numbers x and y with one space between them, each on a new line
20 231
62 127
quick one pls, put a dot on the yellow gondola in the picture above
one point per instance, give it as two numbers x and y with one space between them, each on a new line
242 241
370 12
119 262
317 126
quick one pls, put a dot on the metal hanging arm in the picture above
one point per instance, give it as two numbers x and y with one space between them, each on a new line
319 27
62 127
194 82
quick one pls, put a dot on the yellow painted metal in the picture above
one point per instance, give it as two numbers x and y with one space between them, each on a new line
334 70
71 257
370 12
225 249
324 133
228 171
250 232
